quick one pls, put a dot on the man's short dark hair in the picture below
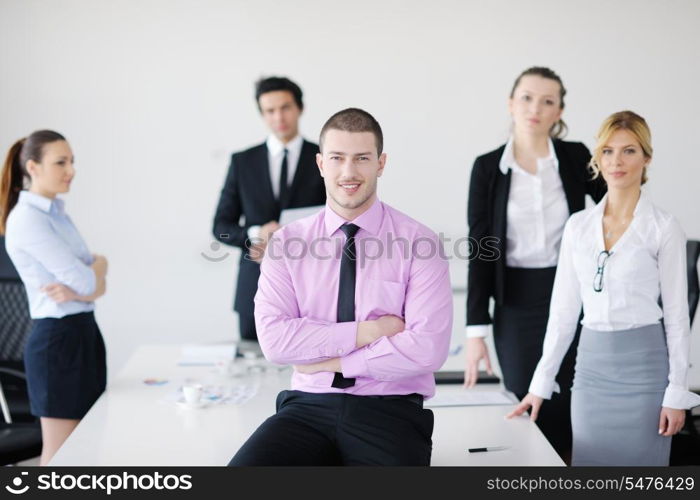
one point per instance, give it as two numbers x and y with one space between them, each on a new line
274 83
354 120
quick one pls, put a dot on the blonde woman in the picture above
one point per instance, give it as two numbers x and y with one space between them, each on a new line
617 259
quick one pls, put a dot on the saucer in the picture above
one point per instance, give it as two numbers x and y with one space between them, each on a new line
196 406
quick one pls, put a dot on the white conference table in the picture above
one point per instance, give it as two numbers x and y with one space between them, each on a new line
135 424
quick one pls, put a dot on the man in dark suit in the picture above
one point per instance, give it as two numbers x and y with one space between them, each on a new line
261 182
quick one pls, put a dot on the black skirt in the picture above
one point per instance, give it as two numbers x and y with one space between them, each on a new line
66 367
519 326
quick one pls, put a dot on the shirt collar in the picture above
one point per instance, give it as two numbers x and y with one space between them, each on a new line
370 221
41 202
643 205
641 209
508 157
275 146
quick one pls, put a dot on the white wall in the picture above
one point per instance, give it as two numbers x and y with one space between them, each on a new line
154 95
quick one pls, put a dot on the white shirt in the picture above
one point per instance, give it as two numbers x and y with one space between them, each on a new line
647 262
45 247
537 212
275 155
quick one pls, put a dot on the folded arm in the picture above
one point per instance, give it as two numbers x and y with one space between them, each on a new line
60 293
43 245
284 336
422 347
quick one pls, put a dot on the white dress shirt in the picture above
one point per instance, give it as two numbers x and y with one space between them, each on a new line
536 214
275 155
537 211
647 262
45 247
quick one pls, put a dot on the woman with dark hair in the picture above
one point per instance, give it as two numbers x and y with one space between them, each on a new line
618 259
520 197
65 354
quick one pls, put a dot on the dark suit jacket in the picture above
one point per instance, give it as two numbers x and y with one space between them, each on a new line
248 193
487 210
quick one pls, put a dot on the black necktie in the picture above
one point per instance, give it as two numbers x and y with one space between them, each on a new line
346 292
284 188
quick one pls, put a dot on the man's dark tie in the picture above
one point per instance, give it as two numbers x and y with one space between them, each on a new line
284 186
346 292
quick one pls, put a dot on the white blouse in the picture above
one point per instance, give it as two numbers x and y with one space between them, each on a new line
275 155
647 262
536 214
537 211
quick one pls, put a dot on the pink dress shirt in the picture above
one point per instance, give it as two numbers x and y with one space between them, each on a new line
401 271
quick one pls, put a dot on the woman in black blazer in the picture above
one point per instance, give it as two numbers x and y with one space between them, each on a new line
520 197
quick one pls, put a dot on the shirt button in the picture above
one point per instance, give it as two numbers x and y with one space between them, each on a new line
340 351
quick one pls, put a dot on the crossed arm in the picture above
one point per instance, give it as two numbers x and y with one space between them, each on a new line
367 333
388 348
74 280
59 293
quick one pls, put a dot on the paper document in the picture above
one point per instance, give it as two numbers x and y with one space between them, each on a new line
206 354
291 214
471 398
237 394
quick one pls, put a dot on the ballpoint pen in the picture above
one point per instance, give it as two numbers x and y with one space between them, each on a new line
488 448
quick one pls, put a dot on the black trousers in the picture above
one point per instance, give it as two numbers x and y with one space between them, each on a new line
247 327
340 429
519 326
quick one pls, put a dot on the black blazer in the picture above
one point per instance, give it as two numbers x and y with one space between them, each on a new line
486 216
247 193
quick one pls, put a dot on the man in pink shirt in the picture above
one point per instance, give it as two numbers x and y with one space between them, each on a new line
358 299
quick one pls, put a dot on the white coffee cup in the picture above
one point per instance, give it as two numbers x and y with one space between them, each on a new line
192 393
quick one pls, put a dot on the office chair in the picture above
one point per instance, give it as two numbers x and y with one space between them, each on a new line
15 324
685 446
20 434
18 440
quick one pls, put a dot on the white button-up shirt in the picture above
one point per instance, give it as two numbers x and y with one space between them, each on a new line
537 211
536 214
647 262
275 155
45 247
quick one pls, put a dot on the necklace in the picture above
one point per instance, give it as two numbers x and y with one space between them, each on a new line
610 233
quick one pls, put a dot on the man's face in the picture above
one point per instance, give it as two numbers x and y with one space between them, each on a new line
281 114
350 166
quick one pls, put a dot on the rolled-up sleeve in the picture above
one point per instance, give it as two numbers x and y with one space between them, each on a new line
423 346
284 336
38 240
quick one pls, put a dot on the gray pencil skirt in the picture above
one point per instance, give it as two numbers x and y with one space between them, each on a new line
616 398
